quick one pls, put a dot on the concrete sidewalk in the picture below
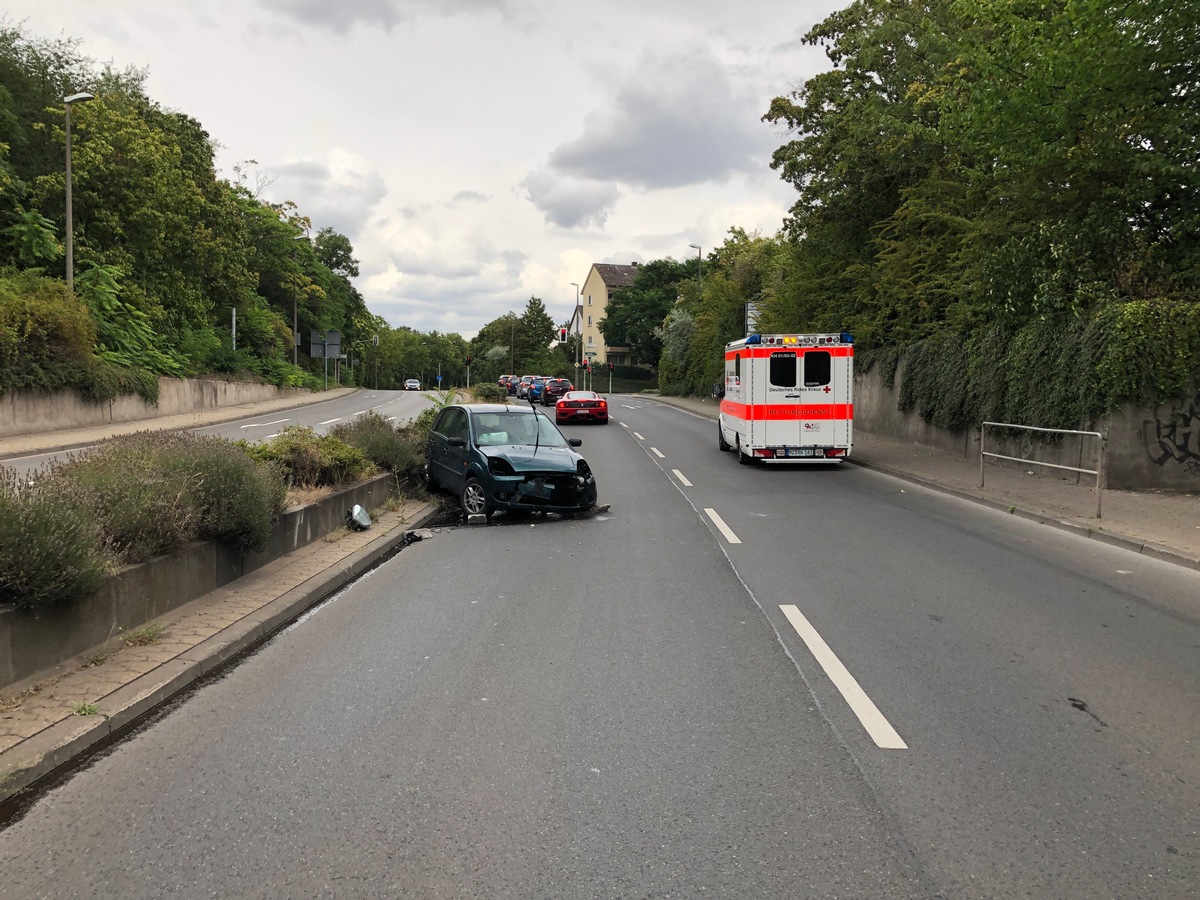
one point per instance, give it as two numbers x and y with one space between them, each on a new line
1163 525
48 724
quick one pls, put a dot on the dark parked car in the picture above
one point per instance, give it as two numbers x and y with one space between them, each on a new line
581 406
555 388
495 456
508 383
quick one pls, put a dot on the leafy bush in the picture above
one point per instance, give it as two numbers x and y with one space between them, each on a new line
153 492
490 393
393 450
51 546
141 512
309 460
238 499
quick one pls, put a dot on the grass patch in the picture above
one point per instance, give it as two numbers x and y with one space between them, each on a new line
144 636
85 709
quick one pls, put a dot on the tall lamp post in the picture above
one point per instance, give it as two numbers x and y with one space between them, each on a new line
575 314
699 276
295 296
73 98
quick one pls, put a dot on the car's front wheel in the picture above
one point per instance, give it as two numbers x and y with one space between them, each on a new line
474 498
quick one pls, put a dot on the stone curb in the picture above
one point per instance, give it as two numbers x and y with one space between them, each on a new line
40 755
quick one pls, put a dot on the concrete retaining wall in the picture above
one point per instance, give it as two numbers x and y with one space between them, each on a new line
1148 449
33 643
30 412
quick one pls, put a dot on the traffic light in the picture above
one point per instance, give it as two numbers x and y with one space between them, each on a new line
468 360
610 367
562 334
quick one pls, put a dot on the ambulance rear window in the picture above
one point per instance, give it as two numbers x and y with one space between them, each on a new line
783 368
817 368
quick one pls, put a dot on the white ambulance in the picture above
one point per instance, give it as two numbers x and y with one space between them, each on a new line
788 398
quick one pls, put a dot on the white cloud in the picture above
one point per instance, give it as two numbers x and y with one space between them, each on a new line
478 152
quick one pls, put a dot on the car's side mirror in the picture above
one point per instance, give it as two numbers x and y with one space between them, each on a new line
455 442
575 442
718 391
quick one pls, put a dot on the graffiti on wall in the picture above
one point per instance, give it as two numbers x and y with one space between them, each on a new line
1176 436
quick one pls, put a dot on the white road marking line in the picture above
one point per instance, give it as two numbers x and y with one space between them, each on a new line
269 436
682 480
638 436
868 713
263 424
330 421
722 527
657 453
624 424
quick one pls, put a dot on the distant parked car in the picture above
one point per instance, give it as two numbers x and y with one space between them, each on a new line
522 390
412 385
506 382
553 389
495 456
581 406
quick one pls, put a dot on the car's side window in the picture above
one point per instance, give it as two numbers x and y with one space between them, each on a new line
439 426
456 424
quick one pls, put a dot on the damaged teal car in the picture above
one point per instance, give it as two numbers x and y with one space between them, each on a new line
496 456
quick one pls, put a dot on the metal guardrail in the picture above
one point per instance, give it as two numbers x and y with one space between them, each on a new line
1098 471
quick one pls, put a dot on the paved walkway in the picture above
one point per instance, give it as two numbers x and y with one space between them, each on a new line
46 724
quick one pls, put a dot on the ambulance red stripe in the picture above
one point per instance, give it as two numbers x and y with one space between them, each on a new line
787 412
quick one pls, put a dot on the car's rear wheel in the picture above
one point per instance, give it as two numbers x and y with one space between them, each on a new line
742 457
474 498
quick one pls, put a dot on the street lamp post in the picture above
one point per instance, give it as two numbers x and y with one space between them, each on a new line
578 328
295 296
699 275
81 97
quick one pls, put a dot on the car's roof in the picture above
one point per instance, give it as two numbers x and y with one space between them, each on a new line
498 408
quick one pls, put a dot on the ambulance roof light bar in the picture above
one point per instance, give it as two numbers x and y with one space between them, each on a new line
845 337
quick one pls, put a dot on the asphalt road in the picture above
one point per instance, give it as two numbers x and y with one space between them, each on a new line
738 681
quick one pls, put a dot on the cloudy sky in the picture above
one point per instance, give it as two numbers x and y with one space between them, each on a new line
478 152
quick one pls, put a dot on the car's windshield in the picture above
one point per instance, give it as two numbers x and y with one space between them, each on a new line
495 428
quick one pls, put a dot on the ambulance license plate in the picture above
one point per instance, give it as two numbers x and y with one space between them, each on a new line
800 451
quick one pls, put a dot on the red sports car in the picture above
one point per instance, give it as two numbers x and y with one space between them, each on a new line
581 406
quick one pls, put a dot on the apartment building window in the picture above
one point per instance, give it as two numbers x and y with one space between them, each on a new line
589 299
589 320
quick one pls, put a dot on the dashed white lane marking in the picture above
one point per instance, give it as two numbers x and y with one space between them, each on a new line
264 424
657 453
722 527
682 480
624 424
868 713
330 421
638 436
269 436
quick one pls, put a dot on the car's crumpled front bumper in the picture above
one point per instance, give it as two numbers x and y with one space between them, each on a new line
547 491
